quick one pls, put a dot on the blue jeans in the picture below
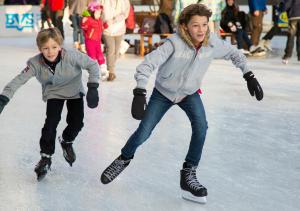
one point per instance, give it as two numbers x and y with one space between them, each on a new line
241 36
77 31
157 107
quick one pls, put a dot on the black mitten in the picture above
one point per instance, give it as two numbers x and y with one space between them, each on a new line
253 86
92 96
139 103
3 101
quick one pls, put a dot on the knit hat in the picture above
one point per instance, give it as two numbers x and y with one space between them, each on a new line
94 5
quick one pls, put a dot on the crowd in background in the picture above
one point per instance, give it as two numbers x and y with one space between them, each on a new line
245 28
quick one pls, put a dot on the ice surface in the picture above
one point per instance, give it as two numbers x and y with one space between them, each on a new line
250 161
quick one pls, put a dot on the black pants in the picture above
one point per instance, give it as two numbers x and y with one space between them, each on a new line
56 17
74 120
272 32
294 30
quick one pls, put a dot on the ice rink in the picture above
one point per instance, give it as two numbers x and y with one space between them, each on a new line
250 162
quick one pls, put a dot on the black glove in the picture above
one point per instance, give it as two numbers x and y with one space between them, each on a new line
253 86
139 103
3 101
92 96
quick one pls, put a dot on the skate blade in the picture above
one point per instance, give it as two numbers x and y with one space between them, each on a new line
40 177
190 197
69 162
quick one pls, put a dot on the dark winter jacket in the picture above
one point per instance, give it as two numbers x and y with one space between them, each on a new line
293 9
257 5
229 15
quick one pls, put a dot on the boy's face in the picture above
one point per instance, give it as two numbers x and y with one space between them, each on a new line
197 28
50 50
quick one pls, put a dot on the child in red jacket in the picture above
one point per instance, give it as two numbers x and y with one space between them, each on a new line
93 27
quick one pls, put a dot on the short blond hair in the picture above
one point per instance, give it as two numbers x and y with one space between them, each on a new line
45 34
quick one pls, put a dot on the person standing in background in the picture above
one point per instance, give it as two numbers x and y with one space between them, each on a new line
257 10
293 10
115 12
278 9
179 5
76 7
56 11
216 7
93 27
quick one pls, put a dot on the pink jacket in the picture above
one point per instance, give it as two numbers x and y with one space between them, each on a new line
93 28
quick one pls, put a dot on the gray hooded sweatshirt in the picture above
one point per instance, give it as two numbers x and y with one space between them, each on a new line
181 67
66 81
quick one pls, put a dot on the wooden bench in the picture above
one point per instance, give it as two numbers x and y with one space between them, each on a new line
148 38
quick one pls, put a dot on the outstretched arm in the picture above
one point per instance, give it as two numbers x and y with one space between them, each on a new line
15 84
227 51
10 89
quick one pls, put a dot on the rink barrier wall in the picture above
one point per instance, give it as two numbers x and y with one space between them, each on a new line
19 20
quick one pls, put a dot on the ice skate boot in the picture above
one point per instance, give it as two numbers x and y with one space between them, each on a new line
68 151
43 166
114 169
191 189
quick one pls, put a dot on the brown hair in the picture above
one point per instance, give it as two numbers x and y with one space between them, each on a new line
45 34
186 15
192 10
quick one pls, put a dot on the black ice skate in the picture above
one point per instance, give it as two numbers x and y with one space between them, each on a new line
43 166
114 169
68 151
191 188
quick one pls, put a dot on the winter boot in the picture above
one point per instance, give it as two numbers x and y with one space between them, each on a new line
114 169
257 51
68 151
43 166
191 188
104 72
267 45
111 76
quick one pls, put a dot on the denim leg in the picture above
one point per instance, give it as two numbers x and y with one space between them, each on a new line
290 41
157 107
194 109
75 28
239 38
246 38
80 31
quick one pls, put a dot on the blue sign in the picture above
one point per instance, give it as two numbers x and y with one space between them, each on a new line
19 21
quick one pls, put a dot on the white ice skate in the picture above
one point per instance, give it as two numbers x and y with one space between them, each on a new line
104 72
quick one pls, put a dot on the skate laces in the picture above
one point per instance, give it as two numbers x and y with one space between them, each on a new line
115 168
192 179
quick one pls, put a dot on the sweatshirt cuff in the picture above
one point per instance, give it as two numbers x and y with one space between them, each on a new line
142 84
